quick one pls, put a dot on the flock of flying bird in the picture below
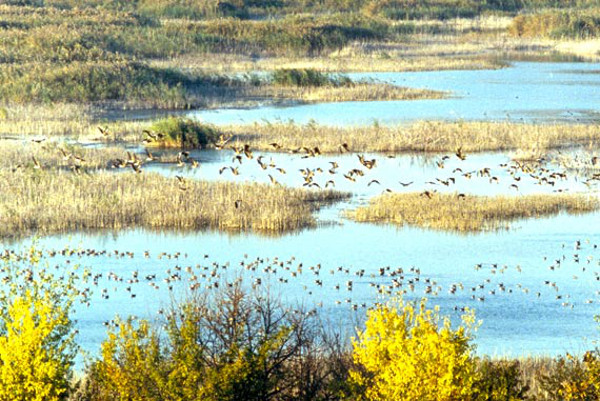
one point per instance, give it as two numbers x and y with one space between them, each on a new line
534 170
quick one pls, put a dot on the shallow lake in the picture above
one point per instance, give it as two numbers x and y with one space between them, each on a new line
516 263
533 92
534 289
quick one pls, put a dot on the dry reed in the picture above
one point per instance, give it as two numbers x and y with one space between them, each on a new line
43 201
60 155
468 213
417 137
358 92
372 61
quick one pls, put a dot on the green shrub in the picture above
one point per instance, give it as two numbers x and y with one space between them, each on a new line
307 77
185 132
228 345
500 380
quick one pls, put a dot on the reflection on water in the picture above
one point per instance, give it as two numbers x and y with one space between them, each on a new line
537 92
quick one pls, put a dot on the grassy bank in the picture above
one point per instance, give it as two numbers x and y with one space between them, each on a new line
417 137
356 92
154 55
39 201
467 213
558 24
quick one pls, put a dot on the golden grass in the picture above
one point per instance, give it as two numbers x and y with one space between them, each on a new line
376 61
358 92
76 121
59 155
469 213
417 137
44 202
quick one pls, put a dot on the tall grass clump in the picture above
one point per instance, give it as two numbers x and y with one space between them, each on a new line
45 201
468 213
185 133
307 77
94 82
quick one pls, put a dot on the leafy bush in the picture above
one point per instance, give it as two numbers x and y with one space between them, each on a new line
500 380
37 344
131 366
409 352
574 379
185 132
307 77
228 345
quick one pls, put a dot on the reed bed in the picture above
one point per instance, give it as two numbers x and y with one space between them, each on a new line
418 137
23 154
90 51
468 213
44 202
351 93
376 62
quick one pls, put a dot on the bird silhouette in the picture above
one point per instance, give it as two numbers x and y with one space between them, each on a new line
149 156
36 163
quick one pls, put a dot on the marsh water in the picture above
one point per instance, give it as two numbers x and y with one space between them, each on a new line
533 92
533 283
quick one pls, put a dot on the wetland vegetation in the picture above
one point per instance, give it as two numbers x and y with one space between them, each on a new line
96 137
46 202
467 213
424 136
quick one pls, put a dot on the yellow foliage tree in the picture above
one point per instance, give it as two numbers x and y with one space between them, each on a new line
32 365
582 381
131 365
409 352
37 344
